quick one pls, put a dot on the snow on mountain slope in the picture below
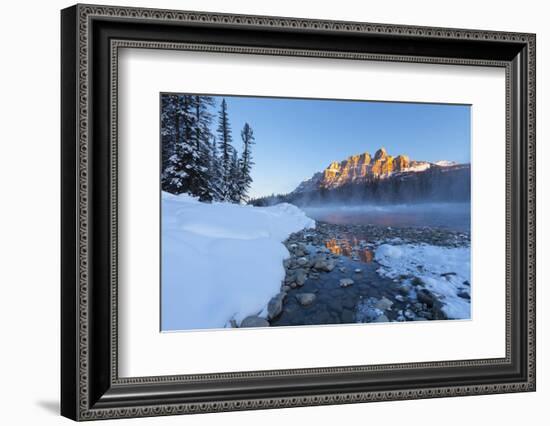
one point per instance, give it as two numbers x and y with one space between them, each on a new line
420 166
445 163
221 261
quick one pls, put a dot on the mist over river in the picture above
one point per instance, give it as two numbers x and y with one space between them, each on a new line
450 216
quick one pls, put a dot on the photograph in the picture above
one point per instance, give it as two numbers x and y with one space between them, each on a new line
308 212
264 209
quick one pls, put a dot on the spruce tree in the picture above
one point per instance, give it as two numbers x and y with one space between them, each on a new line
214 172
246 163
234 190
202 139
196 162
167 132
181 174
225 150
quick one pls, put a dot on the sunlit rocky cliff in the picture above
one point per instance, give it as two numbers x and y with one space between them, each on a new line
382 178
362 168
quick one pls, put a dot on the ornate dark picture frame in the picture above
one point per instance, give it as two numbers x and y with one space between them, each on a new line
90 385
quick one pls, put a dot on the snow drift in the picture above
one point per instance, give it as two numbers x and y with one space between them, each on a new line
221 261
443 270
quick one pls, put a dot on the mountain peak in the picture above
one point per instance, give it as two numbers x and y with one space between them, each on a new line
381 154
363 169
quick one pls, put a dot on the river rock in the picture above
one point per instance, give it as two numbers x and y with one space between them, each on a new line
404 290
384 304
305 299
464 295
254 321
409 314
346 282
330 266
426 297
301 277
301 250
370 314
382 318
324 264
302 261
275 305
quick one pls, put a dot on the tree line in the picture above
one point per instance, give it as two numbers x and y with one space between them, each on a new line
433 185
198 156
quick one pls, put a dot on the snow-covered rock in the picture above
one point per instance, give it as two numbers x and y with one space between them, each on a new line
221 261
443 271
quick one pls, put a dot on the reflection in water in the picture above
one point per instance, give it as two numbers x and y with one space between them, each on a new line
350 248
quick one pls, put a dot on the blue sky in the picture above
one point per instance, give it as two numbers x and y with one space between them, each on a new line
297 137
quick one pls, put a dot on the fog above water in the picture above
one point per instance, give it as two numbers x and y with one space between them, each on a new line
451 216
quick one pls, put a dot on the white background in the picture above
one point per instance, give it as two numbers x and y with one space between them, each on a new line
29 229
146 352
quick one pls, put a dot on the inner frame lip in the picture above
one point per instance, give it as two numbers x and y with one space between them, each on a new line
116 44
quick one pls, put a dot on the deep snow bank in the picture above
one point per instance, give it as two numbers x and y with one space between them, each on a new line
221 261
443 270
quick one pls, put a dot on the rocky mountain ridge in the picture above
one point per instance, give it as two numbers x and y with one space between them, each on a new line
364 168
381 178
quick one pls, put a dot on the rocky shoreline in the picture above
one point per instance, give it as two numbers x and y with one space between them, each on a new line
332 278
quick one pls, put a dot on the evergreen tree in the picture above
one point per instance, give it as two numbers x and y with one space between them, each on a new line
225 150
182 171
214 173
245 181
196 162
202 138
167 132
233 189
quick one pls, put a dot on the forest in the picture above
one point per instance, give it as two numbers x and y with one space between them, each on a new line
437 184
198 154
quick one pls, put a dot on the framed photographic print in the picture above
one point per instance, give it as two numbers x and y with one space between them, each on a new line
263 212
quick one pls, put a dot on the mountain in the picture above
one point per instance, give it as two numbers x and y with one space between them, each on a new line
361 168
381 179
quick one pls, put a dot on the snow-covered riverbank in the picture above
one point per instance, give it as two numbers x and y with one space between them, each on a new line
221 261
443 271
